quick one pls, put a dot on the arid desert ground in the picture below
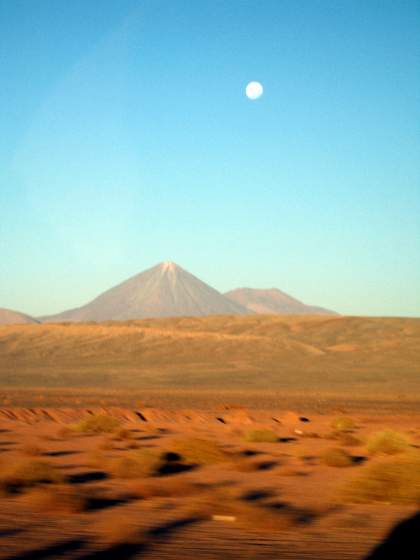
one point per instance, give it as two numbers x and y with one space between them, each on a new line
220 437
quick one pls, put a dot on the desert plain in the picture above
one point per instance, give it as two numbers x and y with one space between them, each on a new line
218 437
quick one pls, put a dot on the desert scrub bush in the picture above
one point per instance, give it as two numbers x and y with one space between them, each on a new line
336 457
29 473
387 443
261 436
307 459
348 440
343 424
199 451
135 464
393 481
123 434
56 499
97 424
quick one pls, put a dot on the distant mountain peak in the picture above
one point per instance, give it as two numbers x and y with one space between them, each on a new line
165 290
273 301
10 317
168 290
168 266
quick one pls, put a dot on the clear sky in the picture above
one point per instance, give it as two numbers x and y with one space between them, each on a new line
126 139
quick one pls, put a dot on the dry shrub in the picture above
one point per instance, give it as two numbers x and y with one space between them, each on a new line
307 459
388 443
393 481
261 436
126 438
336 457
135 464
348 440
343 424
123 434
98 424
56 499
29 473
198 451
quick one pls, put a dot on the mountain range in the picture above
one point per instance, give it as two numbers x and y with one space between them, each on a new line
9 317
167 290
273 302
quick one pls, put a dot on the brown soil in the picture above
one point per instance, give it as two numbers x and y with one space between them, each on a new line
260 360
192 471
251 500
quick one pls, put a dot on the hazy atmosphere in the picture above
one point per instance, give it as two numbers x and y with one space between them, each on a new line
127 139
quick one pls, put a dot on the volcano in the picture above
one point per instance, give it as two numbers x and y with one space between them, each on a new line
166 290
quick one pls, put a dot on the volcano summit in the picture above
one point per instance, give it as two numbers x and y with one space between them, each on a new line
166 290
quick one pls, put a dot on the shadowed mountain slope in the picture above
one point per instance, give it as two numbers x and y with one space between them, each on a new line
273 302
166 290
9 317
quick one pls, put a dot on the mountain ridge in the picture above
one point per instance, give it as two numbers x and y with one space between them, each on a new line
273 301
11 317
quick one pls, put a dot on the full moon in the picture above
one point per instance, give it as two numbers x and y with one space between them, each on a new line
254 90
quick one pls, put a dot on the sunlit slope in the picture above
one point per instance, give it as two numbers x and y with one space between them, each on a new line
369 355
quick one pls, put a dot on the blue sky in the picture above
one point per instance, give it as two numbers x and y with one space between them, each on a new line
126 139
